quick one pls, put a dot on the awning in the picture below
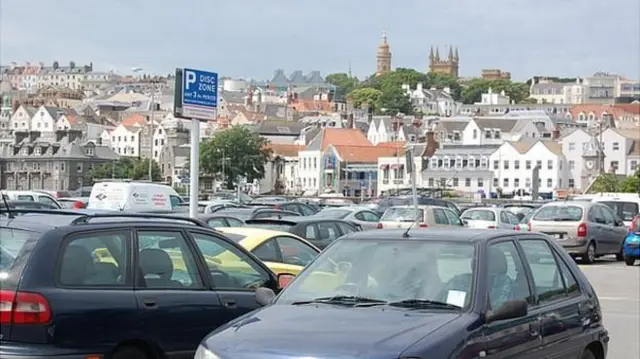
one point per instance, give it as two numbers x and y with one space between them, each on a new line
384 166
397 166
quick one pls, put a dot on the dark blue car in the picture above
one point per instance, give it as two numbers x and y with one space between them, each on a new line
118 286
632 242
433 293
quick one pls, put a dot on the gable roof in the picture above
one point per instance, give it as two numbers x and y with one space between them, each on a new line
502 124
339 137
364 154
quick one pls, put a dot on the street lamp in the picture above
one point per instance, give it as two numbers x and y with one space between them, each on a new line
153 110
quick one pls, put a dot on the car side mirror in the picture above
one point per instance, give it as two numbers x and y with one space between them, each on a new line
264 295
284 279
511 309
465 222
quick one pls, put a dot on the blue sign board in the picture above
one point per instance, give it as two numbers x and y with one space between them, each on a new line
199 94
184 180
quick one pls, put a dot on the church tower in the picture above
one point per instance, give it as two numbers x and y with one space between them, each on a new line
383 56
449 66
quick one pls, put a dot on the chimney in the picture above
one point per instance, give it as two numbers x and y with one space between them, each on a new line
432 145
419 86
99 141
555 134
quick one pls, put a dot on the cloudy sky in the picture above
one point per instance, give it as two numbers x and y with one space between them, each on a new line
251 38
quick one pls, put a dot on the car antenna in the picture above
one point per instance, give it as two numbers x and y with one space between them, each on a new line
406 233
9 214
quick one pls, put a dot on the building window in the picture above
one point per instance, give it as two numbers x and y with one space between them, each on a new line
496 165
467 182
527 183
527 165
516 164
572 146
90 151
495 182
505 182
539 164
550 164
458 162
572 183
615 165
616 146
79 168
25 151
480 182
506 165
37 151
549 182
455 181
431 182
475 134
634 165
516 182
497 135
483 162
443 182
572 164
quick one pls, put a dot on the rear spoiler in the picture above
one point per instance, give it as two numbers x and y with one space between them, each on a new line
269 221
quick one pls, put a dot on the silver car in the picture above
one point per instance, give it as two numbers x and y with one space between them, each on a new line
362 216
585 229
489 217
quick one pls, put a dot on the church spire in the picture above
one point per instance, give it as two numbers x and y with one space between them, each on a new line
437 54
450 52
456 55
431 56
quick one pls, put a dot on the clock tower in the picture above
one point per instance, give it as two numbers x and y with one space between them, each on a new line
592 160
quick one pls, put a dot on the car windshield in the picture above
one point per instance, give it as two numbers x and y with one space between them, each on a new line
11 242
527 217
479 215
333 213
401 214
389 271
558 213
626 210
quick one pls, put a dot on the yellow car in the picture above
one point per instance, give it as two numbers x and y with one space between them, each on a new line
282 252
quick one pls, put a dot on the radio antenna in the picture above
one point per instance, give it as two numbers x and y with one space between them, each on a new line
8 210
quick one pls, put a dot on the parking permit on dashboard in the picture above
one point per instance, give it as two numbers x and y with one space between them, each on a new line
456 297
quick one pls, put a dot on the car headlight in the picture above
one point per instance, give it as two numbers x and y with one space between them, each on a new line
204 353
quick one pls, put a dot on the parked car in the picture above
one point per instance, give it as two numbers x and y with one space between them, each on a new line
118 285
300 208
624 205
521 209
387 202
632 242
33 196
586 230
221 220
25 205
361 216
208 207
282 252
490 218
441 293
428 216
319 231
255 213
74 202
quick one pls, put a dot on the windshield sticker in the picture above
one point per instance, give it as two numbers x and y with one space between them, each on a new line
456 297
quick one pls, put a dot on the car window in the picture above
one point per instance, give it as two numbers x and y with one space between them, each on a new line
267 251
47 200
295 252
544 269
291 207
306 211
166 261
217 222
175 201
11 243
235 222
513 219
310 232
229 267
504 218
570 282
92 259
440 217
402 214
506 275
333 213
346 228
479 215
556 212
626 210
327 231
24 197
453 217
369 216
607 214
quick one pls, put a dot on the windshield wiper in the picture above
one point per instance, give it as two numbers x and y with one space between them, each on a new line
343 300
422 304
563 219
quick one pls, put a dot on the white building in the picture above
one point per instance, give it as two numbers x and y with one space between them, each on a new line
432 101
574 145
494 98
513 164
622 150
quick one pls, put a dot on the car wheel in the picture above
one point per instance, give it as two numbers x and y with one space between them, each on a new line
620 255
629 260
588 354
590 256
128 352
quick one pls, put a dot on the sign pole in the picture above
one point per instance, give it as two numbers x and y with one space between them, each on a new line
194 172
411 170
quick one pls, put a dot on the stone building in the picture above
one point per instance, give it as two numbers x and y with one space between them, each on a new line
449 66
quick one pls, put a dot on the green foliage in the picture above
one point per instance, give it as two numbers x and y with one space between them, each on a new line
472 93
343 82
606 182
126 167
235 152
631 184
365 96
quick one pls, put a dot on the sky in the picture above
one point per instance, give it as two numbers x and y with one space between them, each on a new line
251 38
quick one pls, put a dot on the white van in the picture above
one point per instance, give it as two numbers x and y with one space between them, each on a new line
625 205
33 196
133 196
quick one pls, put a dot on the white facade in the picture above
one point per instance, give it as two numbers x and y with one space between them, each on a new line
494 98
392 173
21 120
159 138
309 165
125 141
616 147
43 121
573 146
474 135
513 169
377 134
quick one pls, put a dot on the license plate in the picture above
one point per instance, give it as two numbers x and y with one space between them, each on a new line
557 236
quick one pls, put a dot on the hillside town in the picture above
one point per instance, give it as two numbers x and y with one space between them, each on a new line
468 135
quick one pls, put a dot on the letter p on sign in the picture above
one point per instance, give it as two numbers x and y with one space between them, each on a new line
191 79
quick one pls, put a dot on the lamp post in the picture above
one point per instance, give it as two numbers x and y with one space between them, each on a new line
153 110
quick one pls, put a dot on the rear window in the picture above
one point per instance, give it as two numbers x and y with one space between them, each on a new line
479 215
624 210
401 214
240 214
559 213
11 243
276 226
333 213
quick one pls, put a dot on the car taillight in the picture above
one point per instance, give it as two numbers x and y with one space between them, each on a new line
23 308
582 230
634 223
529 228
423 225
379 226
277 206
78 205
516 228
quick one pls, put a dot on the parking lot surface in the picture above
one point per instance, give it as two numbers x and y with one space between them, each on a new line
618 288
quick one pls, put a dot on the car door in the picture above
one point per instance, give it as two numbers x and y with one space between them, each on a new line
596 224
171 292
346 228
504 222
233 274
367 219
327 233
613 235
440 218
506 279
558 300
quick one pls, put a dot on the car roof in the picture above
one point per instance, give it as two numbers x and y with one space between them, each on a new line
298 219
253 232
582 204
433 234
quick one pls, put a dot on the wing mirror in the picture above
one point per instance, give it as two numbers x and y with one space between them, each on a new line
511 309
284 279
264 295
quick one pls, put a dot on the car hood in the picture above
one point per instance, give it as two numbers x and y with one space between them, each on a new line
324 331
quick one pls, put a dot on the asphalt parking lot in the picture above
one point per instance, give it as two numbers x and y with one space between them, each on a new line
618 288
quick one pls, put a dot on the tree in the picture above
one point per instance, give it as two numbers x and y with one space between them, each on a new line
631 184
344 82
393 101
472 93
606 182
236 152
126 167
365 95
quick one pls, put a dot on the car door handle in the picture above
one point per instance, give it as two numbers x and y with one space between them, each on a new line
534 329
229 302
150 303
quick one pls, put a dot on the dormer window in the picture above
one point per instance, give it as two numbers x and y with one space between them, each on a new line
457 136
25 151
37 151
90 151
497 135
